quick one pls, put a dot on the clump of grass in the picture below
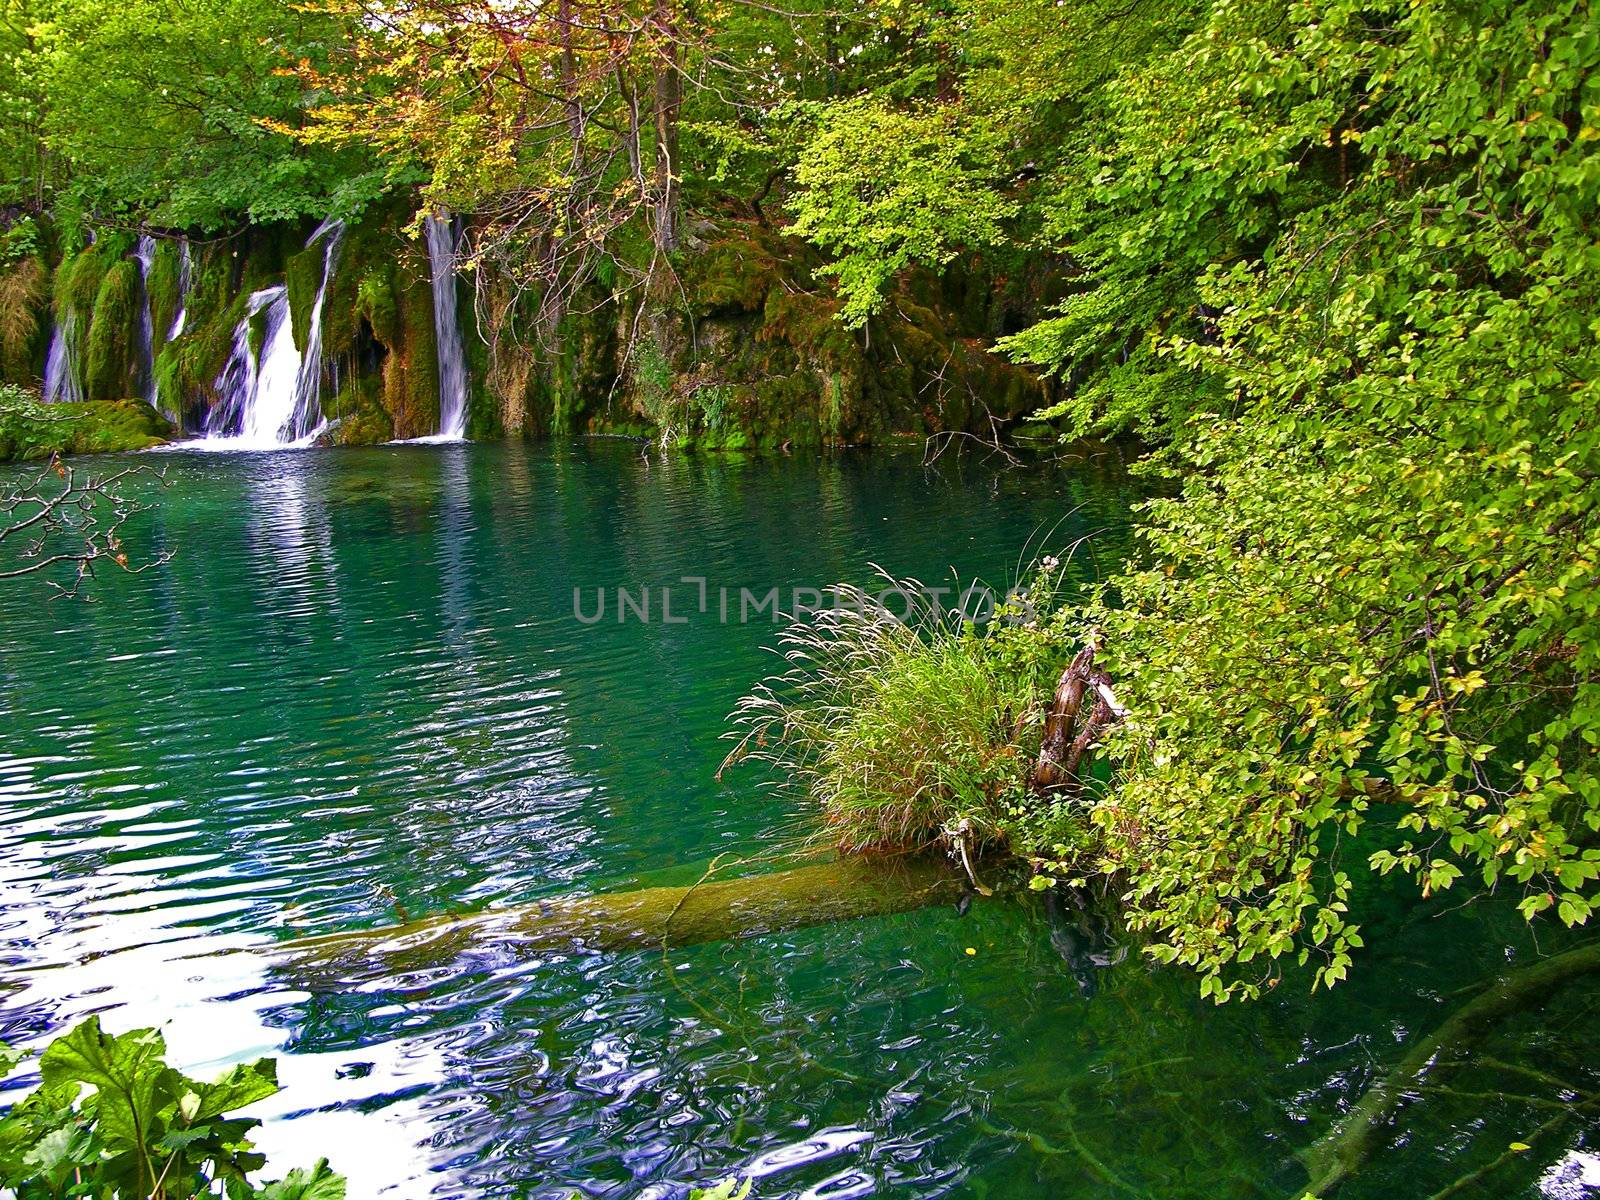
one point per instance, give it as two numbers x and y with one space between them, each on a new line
22 294
909 729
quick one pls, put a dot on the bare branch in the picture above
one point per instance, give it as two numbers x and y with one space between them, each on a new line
61 514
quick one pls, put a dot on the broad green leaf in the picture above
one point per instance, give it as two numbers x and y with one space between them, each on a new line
131 1080
318 1183
240 1085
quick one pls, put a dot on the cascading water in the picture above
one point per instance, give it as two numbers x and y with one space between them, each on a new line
146 254
62 379
441 237
308 386
258 393
273 400
185 278
63 375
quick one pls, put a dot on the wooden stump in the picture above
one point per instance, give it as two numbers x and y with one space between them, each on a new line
1069 729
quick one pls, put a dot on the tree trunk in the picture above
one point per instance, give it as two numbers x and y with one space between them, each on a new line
838 890
668 101
632 138
569 84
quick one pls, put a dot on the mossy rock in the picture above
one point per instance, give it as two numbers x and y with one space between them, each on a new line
212 287
375 300
357 416
362 282
1035 435
187 368
484 413
78 281
93 427
110 364
574 378
733 274
746 351
303 274
169 369
411 370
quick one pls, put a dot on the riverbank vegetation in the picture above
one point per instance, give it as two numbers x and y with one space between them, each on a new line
912 729
32 430
1341 265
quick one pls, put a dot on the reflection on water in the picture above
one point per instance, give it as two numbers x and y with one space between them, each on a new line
291 565
358 691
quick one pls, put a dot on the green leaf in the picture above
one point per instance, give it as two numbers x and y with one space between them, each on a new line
241 1085
319 1183
55 1150
132 1082
728 1189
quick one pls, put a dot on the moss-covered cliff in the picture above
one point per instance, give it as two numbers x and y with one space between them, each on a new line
740 348
736 347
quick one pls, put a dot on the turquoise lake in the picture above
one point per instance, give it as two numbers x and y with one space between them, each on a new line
360 689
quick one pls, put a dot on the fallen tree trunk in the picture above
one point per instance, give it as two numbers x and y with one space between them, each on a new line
1353 1140
837 890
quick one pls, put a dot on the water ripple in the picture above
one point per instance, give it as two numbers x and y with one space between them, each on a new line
358 692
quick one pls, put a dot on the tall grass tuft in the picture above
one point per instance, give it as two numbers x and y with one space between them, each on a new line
909 729
23 289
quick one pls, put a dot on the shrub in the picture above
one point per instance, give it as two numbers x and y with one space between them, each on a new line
142 1129
20 241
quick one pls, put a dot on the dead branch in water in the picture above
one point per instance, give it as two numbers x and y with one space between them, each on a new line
1067 739
61 514
1345 1149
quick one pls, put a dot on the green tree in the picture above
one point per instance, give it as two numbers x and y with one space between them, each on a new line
1338 260
180 115
923 192
24 157
1373 608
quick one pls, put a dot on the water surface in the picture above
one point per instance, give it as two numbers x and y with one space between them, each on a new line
359 689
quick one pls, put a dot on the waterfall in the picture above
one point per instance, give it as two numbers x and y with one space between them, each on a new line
146 254
62 380
236 385
274 399
259 394
185 278
308 386
441 235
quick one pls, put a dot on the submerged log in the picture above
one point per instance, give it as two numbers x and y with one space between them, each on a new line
1353 1140
837 890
